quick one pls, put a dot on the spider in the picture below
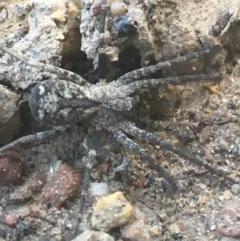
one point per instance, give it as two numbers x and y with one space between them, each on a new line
68 99
65 98
60 102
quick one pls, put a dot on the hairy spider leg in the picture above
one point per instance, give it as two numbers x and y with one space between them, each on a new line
89 159
171 80
32 140
62 73
130 144
146 71
148 137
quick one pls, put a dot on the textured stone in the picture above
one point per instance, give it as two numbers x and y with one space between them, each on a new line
111 211
10 167
10 116
62 184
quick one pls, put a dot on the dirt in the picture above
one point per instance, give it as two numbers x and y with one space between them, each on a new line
202 117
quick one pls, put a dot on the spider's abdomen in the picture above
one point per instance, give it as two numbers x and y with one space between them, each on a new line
60 102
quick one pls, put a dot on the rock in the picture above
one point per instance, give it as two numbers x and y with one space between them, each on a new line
175 228
10 167
235 188
90 235
10 116
111 211
229 35
62 184
139 230
38 36
227 195
99 189
12 217
118 8
227 221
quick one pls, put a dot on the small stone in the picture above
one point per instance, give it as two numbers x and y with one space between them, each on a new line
12 217
175 228
9 112
111 211
235 188
227 223
203 186
154 231
118 8
90 235
227 195
62 184
221 198
213 227
202 200
96 8
139 230
99 189
10 167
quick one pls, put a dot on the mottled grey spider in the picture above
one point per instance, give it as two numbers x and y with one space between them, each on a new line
57 102
69 99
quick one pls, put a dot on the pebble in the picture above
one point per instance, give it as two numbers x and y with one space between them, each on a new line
235 188
213 227
10 167
139 230
175 228
61 184
12 217
89 235
227 223
111 211
118 8
99 189
96 8
227 195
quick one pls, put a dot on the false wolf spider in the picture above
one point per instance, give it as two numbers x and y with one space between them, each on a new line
65 98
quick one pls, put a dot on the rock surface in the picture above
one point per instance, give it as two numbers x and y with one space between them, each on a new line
10 114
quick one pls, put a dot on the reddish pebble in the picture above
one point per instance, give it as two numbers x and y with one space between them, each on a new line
96 8
227 223
10 167
62 184
11 218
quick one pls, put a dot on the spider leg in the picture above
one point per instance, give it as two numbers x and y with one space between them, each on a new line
32 140
146 71
131 129
102 21
89 160
171 80
62 73
84 193
130 144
